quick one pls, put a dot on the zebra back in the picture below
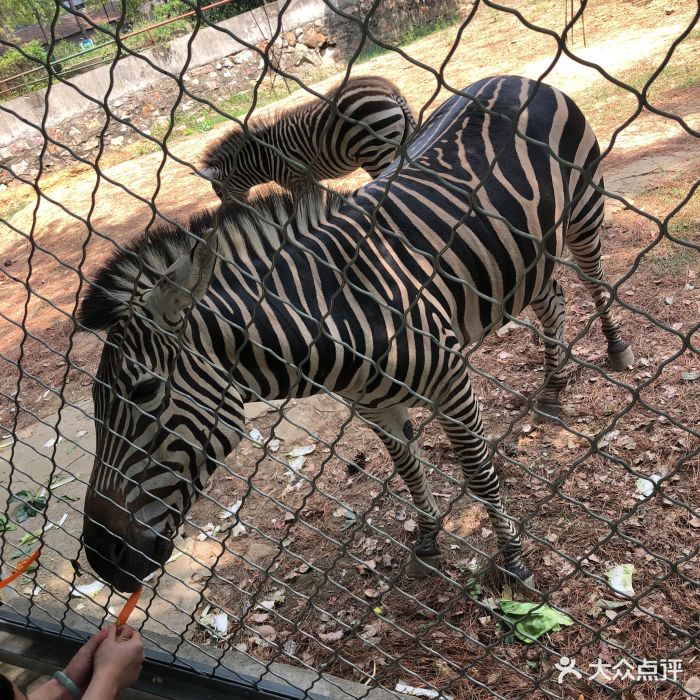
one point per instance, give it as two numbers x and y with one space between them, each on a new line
361 123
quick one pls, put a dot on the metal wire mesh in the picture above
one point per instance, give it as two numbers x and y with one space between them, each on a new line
304 562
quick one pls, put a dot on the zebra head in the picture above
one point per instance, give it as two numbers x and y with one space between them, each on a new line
165 416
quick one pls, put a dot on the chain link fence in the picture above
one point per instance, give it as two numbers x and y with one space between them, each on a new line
289 574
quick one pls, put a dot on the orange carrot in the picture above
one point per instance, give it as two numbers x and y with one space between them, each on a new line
20 568
129 607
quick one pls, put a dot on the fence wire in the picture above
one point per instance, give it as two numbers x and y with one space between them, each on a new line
297 551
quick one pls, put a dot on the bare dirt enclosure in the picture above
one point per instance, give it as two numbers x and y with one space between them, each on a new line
302 561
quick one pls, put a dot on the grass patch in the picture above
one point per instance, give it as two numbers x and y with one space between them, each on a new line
17 205
199 121
675 261
372 50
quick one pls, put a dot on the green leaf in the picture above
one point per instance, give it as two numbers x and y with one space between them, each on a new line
531 620
20 496
23 513
30 504
30 537
6 525
349 521
21 552
620 578
66 497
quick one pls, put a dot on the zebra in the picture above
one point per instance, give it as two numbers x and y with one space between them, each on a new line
360 123
373 295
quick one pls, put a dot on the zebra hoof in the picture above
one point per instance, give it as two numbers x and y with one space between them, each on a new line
545 410
621 360
422 567
522 574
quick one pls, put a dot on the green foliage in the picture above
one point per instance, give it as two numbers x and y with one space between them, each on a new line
231 9
13 62
170 9
20 13
531 620
6 525
30 504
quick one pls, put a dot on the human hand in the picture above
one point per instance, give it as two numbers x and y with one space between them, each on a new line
118 659
79 670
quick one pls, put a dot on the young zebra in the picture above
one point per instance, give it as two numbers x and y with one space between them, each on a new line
319 139
319 295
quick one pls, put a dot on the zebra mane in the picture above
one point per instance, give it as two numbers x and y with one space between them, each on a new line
258 126
134 268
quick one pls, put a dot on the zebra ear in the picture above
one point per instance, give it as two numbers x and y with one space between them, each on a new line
185 281
211 173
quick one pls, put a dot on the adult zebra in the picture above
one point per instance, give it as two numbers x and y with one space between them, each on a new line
315 295
360 124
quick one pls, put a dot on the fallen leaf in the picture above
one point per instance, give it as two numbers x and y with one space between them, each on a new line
330 636
611 604
606 439
371 630
268 632
277 598
620 578
256 437
690 376
410 525
531 620
259 618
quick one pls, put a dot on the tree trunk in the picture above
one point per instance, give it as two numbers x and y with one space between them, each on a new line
77 20
41 26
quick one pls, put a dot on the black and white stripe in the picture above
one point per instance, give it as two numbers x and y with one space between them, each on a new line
360 124
373 298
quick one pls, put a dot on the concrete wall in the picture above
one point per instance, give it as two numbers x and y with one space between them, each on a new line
312 39
133 73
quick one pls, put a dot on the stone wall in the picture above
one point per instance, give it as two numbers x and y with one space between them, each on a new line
311 41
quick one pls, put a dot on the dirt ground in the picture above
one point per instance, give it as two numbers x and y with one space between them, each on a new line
336 598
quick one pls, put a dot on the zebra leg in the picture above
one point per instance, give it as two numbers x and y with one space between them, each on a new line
584 243
394 428
461 419
549 308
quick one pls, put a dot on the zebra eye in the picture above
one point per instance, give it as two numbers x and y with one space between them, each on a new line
145 390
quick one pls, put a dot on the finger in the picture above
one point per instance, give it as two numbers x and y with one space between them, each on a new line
91 645
124 633
111 632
